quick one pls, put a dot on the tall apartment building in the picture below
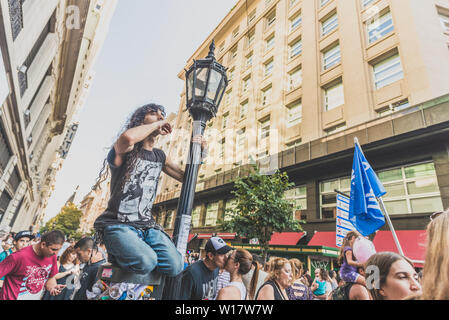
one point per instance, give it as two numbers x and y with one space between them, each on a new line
48 49
306 77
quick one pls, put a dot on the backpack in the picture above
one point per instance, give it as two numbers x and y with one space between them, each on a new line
341 293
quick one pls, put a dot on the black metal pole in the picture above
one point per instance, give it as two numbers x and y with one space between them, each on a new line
185 204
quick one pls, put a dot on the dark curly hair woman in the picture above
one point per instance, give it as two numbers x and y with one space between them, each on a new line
133 239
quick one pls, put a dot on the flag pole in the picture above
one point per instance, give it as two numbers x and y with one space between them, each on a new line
385 213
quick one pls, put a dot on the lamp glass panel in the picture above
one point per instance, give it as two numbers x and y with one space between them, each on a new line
190 86
200 84
214 83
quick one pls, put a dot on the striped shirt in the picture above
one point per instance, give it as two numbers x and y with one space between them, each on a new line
223 281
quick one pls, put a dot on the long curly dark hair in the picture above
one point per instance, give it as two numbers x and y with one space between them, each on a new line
136 119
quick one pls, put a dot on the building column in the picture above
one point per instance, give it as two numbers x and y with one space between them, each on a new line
7 173
441 161
14 203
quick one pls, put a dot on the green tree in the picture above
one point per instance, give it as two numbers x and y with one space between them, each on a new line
261 208
68 221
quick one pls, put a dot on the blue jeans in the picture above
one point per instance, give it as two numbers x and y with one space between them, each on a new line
141 252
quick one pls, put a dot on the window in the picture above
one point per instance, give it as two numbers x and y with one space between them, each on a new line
221 48
411 189
444 19
196 214
231 74
393 108
329 24
294 79
266 96
235 33
335 129
294 114
233 54
294 143
269 43
264 128
246 83
249 60
331 57
387 71
228 97
328 197
268 68
379 26
250 38
222 148
252 16
334 96
262 154
243 109
168 219
211 214
271 19
298 198
241 144
295 49
365 3
225 121
16 17
295 22
324 2
230 206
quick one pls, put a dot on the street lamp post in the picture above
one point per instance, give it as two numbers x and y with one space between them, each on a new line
206 82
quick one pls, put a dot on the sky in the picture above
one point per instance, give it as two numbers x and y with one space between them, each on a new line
148 44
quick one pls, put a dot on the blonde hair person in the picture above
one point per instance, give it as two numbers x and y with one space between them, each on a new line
435 280
278 280
238 264
298 290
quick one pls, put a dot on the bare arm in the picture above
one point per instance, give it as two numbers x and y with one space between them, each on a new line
175 171
130 137
229 293
351 262
53 287
266 293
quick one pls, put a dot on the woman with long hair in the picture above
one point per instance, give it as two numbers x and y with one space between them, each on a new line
349 265
277 282
67 265
298 290
435 279
394 276
133 239
238 264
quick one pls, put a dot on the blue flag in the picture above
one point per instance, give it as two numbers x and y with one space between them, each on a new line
364 210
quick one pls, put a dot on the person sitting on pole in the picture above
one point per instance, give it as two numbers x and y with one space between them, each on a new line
133 239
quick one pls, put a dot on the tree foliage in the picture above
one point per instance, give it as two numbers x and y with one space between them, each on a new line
68 221
261 208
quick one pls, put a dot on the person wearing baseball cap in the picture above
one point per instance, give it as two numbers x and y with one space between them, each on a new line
21 240
199 280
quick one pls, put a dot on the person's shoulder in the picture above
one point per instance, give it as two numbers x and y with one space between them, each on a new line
229 292
358 292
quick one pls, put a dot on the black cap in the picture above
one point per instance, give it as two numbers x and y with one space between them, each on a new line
24 234
217 245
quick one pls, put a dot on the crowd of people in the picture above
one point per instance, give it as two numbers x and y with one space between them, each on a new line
47 267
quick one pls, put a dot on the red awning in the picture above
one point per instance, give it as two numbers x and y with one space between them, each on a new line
191 235
286 238
228 236
204 235
324 238
413 244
